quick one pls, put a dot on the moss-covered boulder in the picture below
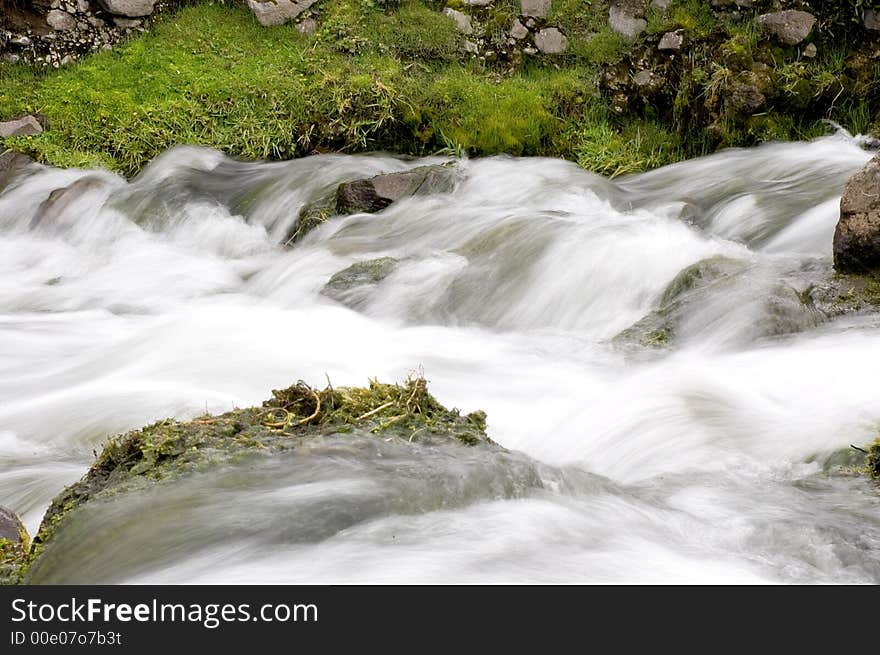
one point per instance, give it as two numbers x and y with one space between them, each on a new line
147 490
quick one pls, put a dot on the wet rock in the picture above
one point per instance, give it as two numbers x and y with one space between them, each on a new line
535 8
11 161
671 41
857 236
278 12
551 41
301 433
60 20
60 199
871 21
627 17
790 27
519 31
347 285
24 126
130 8
375 194
462 21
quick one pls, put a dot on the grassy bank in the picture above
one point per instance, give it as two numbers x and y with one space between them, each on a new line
369 79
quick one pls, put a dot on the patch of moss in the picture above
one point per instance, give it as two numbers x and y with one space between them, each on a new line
872 460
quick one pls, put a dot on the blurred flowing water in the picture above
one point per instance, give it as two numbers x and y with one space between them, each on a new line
636 457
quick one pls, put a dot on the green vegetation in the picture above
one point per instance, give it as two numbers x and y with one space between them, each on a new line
394 76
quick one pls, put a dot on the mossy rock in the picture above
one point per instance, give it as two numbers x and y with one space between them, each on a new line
348 285
14 547
295 420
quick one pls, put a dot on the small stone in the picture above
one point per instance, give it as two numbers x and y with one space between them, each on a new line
536 8
82 6
278 12
626 17
530 51
519 31
60 20
462 21
471 47
21 41
671 41
790 27
24 126
811 51
644 78
872 20
530 23
94 21
551 41
66 59
478 3
307 26
662 5
126 23
129 8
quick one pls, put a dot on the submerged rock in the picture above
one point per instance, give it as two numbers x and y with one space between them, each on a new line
177 473
857 236
345 284
11 163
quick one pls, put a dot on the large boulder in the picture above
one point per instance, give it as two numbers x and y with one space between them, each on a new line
129 8
158 495
376 193
790 27
857 237
278 12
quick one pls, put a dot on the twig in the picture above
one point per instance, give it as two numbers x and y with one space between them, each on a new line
317 407
861 450
375 411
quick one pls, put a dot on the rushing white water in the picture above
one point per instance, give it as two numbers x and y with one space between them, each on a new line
124 302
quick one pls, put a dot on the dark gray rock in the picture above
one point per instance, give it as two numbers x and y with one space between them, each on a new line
375 194
744 98
60 199
790 26
857 236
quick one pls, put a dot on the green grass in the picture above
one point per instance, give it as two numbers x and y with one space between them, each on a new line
392 76
210 75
